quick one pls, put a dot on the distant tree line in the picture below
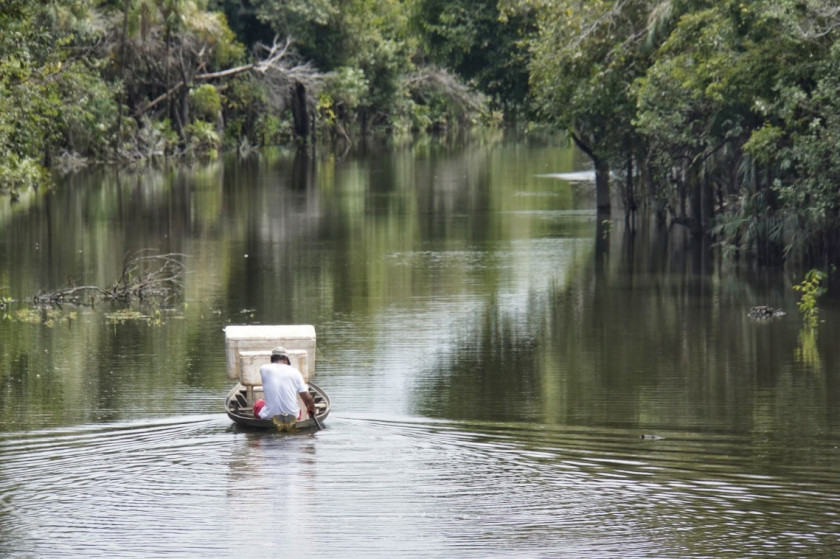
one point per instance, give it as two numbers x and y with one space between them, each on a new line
722 116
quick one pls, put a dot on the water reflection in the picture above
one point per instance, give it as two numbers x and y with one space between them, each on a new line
272 477
493 349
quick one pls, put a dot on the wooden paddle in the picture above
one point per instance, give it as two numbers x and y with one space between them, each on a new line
317 422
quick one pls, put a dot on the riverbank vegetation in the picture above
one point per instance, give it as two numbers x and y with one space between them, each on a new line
720 116
133 80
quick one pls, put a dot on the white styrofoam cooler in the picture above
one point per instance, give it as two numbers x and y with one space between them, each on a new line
248 347
251 361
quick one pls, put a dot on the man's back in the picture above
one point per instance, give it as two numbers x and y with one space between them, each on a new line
281 385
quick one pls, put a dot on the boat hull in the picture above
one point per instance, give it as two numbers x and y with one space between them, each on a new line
241 411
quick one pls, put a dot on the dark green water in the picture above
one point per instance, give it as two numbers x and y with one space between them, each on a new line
493 350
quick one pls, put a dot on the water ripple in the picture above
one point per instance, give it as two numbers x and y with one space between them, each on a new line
196 486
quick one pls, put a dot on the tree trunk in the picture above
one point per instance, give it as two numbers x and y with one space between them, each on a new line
602 243
122 100
300 111
602 175
695 205
602 185
629 188
707 197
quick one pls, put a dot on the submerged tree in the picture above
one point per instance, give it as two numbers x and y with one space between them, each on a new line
735 107
584 60
726 111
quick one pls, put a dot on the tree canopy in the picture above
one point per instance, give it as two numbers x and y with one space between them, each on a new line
720 116
725 111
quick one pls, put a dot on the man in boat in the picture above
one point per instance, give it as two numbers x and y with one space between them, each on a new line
282 384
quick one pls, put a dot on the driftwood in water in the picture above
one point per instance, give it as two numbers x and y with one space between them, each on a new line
144 276
764 312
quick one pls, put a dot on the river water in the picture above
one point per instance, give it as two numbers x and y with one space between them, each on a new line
511 375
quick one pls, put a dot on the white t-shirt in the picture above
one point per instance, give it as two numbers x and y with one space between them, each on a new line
281 385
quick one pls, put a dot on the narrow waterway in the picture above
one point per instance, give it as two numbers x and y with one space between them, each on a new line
511 375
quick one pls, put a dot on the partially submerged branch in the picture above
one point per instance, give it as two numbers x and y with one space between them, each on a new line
144 277
74 294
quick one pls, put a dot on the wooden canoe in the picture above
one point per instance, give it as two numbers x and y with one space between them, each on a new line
241 410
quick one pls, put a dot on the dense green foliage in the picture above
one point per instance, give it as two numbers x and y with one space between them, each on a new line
480 43
134 80
726 112
721 116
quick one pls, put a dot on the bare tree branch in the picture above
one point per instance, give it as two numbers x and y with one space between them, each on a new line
278 66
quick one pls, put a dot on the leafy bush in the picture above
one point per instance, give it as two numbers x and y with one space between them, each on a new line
810 288
202 140
273 129
344 91
244 105
205 102
19 173
148 140
90 120
439 100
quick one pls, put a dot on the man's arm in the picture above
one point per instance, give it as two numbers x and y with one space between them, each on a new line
309 401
